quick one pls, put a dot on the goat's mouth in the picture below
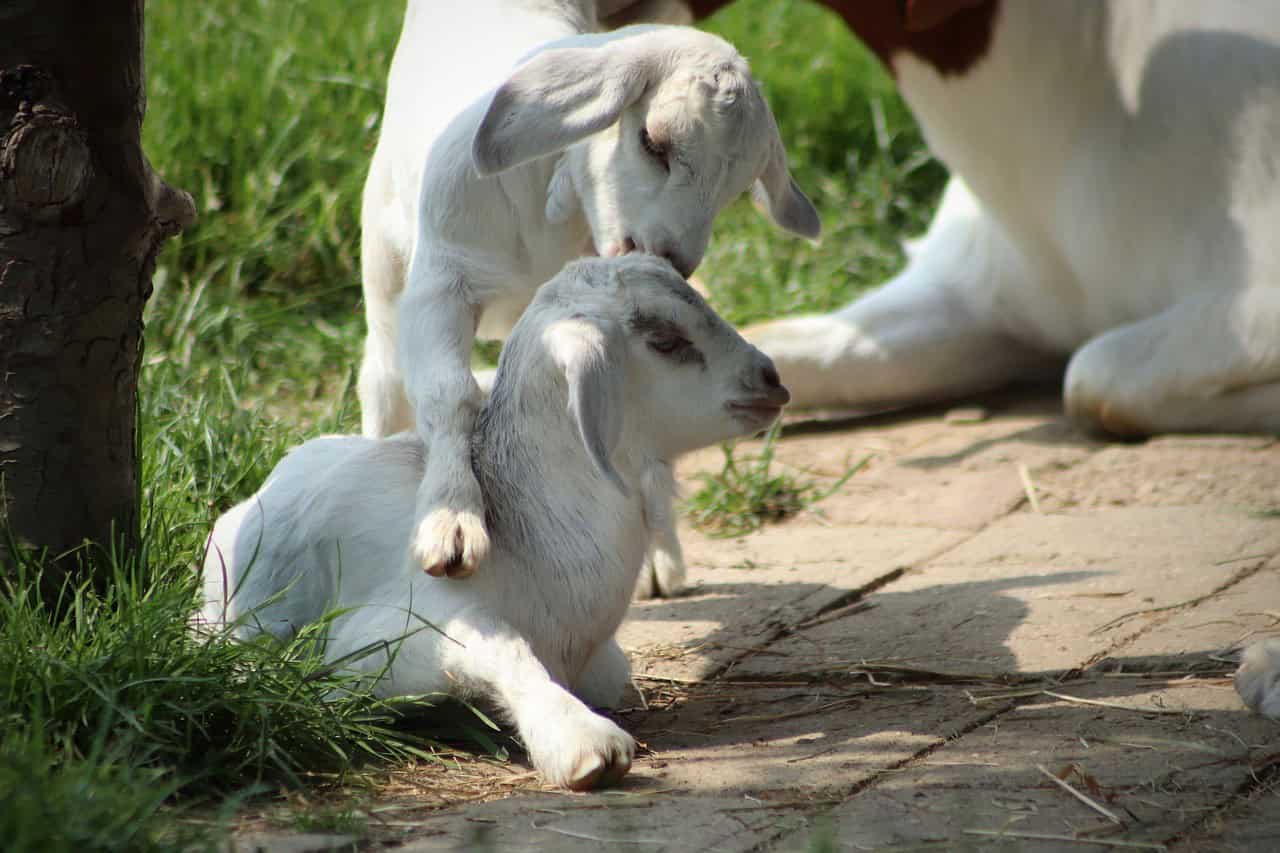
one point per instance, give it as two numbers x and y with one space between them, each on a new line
755 412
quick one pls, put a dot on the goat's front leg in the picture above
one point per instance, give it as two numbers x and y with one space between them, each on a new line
569 744
437 329
663 572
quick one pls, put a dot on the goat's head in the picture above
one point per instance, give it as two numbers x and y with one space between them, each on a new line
663 127
645 360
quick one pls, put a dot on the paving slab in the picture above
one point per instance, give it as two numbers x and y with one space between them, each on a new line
806 741
743 589
1226 471
600 821
1211 628
1252 826
1035 592
1149 776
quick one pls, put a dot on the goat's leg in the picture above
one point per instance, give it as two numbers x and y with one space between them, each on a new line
1258 679
437 328
929 333
663 573
569 744
384 409
911 341
604 679
1210 363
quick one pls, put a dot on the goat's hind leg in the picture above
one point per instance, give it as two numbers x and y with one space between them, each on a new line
1210 363
384 408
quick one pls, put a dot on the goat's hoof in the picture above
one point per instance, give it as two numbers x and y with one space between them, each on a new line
597 771
450 544
662 575
594 753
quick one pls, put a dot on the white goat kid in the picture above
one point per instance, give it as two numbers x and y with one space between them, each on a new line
483 186
616 368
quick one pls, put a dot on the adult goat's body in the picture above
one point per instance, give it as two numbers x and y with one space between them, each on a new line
548 143
616 368
1113 207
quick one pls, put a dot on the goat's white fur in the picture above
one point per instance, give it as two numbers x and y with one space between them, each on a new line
1115 201
1258 678
530 155
574 451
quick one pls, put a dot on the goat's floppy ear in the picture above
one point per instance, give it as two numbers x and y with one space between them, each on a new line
556 99
921 15
593 371
777 193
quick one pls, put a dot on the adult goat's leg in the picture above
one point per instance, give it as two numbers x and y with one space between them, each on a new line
924 335
1210 363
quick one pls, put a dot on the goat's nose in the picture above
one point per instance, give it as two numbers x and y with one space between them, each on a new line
666 249
770 383
769 375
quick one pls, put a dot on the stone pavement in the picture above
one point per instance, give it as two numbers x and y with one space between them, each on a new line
999 635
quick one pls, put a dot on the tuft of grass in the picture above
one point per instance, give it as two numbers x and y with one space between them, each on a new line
747 493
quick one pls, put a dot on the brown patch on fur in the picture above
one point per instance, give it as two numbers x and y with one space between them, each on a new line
950 35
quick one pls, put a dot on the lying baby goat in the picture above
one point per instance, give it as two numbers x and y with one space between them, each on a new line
515 140
616 368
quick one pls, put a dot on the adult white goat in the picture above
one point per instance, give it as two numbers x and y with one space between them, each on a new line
617 367
513 141
1114 206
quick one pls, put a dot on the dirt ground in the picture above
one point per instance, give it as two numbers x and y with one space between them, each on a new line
999 635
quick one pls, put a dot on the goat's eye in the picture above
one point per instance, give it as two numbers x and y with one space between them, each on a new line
654 150
668 344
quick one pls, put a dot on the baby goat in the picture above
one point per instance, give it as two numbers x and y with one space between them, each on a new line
616 368
513 141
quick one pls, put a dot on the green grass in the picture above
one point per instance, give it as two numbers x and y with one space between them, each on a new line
114 718
748 492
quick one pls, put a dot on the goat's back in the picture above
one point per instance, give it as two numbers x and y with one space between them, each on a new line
330 518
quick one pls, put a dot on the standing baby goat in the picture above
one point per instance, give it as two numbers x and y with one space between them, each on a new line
616 368
515 140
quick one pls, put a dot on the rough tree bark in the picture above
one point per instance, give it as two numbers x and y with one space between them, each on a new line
82 216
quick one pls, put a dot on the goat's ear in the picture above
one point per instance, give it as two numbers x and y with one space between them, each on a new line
921 15
778 195
556 99
588 355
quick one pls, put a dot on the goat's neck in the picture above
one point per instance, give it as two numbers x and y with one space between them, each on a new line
545 500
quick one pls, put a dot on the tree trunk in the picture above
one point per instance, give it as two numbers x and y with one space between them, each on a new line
82 216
